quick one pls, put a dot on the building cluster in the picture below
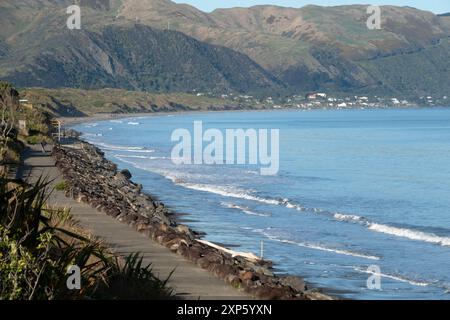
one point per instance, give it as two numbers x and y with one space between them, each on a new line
321 100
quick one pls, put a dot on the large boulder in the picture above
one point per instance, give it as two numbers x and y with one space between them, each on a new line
126 173
296 283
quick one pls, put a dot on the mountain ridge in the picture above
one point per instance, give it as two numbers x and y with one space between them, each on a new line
137 57
304 49
287 42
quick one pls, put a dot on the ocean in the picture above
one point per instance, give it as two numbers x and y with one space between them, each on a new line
355 190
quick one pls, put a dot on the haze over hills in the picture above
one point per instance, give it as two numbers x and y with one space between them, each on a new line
311 48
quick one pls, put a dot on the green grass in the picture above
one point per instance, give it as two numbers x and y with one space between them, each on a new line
56 101
61 186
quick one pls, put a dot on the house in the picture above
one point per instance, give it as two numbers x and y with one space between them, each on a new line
314 96
311 96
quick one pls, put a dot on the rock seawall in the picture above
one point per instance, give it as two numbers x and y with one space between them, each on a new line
94 180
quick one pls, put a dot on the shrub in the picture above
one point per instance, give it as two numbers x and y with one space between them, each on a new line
61 186
38 244
34 139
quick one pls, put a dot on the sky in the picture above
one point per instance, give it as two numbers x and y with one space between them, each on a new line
437 6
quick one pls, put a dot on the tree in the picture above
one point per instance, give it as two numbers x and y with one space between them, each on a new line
9 102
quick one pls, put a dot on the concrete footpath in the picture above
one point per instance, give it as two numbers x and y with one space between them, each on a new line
188 280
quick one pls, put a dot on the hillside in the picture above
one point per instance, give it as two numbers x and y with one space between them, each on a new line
300 49
327 48
131 56
78 102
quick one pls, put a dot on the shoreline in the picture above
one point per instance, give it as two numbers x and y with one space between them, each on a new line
71 121
104 117
113 192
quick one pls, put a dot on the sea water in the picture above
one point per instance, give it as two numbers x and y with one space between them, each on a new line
355 189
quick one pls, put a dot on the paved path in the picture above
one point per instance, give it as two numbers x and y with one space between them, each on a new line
189 281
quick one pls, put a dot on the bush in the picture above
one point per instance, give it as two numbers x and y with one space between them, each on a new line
61 186
38 244
34 139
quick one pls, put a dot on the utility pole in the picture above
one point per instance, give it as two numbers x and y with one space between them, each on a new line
57 125
262 249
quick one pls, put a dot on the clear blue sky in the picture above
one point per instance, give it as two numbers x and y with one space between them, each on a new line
437 6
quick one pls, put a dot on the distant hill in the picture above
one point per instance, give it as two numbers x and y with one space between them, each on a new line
3 49
122 45
140 58
130 56
322 48
70 102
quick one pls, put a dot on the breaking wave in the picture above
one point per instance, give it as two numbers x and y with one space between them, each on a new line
396 277
120 156
348 217
394 231
111 147
319 247
233 192
410 234
245 210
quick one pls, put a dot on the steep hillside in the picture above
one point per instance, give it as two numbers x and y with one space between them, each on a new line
322 47
309 48
130 56
3 49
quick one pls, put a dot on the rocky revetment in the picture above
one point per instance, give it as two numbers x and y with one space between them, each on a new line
94 180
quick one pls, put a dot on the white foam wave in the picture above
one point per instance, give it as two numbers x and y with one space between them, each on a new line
245 210
347 217
228 192
94 134
116 121
119 156
410 234
233 192
322 247
134 123
122 148
396 277
288 204
395 231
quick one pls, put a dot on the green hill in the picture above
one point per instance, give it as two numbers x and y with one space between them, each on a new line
130 56
122 45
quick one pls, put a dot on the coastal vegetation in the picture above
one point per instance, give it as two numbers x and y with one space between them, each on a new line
77 102
39 242
61 186
10 147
